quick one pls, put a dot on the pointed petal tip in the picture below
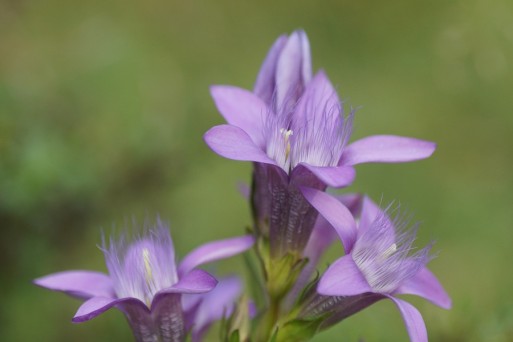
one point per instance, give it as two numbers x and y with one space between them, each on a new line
337 215
217 90
94 307
412 319
213 87
301 34
197 281
82 319
241 108
81 284
429 148
387 149
38 281
321 73
426 285
234 143
447 305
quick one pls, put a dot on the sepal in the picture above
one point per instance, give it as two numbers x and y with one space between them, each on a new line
283 273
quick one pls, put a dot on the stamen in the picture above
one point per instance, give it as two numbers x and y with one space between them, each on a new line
147 265
286 135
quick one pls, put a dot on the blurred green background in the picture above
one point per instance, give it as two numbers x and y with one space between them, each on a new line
103 106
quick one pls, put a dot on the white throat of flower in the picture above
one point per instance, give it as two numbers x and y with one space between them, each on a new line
383 253
317 141
373 265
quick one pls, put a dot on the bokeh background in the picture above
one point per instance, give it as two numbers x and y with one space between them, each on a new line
103 106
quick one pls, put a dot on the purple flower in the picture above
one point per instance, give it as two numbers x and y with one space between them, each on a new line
294 129
311 136
379 262
144 282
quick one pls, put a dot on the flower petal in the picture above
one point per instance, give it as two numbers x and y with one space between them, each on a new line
334 176
265 83
343 278
412 319
370 212
98 305
243 109
323 235
353 202
386 149
294 68
335 213
213 251
81 284
195 281
233 143
319 106
426 285
306 65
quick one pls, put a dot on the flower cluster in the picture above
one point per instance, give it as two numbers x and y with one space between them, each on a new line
293 127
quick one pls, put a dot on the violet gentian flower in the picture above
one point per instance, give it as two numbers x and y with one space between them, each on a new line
378 264
293 128
290 150
144 282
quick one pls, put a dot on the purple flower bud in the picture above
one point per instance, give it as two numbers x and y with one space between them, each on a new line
285 72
